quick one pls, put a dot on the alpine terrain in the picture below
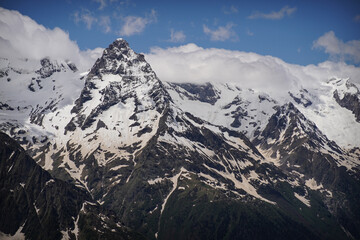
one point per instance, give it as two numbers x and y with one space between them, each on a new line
115 153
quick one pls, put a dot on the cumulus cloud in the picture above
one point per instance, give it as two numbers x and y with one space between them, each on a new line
191 63
135 24
222 33
177 36
284 12
337 49
22 37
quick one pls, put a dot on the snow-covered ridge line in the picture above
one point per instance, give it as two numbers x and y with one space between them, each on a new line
248 110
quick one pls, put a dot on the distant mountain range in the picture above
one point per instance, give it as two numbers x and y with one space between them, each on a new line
115 153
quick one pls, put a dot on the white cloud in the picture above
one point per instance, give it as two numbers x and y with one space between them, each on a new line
102 4
285 11
85 17
177 36
22 37
104 23
337 49
190 63
135 25
222 33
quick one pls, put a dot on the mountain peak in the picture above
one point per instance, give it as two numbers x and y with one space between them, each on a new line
118 58
119 44
123 81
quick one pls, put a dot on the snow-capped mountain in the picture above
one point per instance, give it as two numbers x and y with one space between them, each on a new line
248 110
228 105
189 161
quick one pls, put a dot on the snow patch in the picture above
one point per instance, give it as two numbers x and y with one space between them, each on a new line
17 236
156 180
49 182
65 235
36 209
302 199
174 180
312 184
12 154
245 185
11 167
118 167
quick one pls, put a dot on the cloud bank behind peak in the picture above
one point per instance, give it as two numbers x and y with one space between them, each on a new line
193 64
22 37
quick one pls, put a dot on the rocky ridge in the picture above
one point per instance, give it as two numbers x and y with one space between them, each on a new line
153 154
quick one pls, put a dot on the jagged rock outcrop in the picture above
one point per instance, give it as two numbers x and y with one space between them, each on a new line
349 98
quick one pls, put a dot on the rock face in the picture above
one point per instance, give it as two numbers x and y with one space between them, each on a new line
300 149
38 206
349 97
203 93
153 155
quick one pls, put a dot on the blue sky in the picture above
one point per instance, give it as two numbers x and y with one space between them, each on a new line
290 30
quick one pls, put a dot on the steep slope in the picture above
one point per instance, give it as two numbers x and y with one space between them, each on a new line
116 114
34 205
347 95
228 105
333 108
29 90
248 110
298 147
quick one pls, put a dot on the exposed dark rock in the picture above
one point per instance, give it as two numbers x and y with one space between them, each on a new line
202 92
350 101
84 96
265 97
70 126
144 130
100 124
43 206
31 87
48 68
5 106
300 98
72 66
306 153
4 73
37 114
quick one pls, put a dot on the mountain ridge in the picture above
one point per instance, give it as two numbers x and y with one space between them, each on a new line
159 154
